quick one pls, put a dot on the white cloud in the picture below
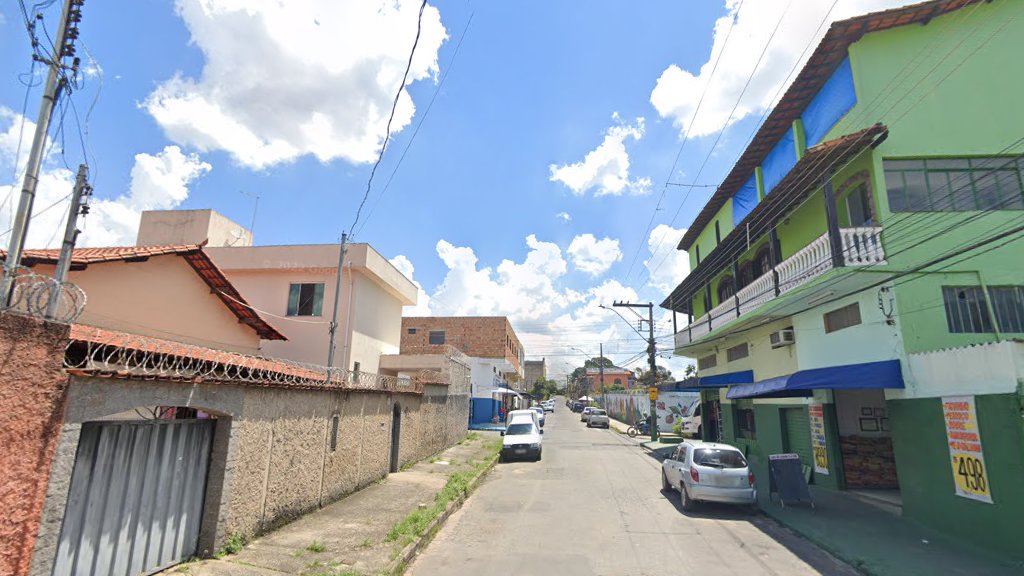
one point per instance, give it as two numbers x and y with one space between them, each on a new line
594 256
422 307
606 168
158 182
666 266
282 80
564 216
678 91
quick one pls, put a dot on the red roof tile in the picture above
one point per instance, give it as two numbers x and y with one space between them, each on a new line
826 58
194 254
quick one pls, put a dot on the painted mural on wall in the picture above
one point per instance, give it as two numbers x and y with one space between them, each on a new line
633 406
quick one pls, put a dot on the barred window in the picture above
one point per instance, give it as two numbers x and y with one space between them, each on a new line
707 362
966 309
844 317
737 352
955 184
1008 305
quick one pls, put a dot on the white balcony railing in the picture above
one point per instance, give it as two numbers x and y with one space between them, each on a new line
861 247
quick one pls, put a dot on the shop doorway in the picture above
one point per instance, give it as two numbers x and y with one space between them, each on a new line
711 421
396 435
865 443
796 427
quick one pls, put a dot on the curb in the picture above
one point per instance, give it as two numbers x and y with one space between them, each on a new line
399 564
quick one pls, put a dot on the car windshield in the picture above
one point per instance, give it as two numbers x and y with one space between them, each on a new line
519 429
719 458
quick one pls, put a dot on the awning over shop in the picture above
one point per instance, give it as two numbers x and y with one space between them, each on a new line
504 392
719 380
885 374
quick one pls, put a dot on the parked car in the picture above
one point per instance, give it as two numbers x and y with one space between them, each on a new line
709 471
598 417
586 413
689 422
549 406
540 414
522 439
578 406
529 413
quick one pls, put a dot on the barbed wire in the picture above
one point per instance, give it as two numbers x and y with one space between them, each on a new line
31 293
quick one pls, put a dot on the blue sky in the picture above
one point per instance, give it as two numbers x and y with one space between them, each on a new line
200 101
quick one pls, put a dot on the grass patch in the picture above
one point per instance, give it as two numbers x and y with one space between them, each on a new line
415 524
317 568
233 545
470 437
316 547
366 543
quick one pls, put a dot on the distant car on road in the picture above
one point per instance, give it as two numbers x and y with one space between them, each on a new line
540 414
709 471
586 413
690 420
522 439
578 406
548 406
598 417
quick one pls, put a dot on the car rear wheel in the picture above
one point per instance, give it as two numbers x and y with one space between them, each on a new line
688 503
665 486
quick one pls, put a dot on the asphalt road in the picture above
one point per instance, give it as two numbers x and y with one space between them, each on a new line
593 505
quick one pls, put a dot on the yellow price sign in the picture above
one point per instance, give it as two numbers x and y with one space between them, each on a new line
652 393
820 457
971 477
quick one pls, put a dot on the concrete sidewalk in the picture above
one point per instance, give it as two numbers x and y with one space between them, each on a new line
350 537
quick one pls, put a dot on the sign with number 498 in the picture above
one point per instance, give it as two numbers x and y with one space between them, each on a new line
965 452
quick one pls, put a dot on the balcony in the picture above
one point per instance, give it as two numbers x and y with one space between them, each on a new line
861 247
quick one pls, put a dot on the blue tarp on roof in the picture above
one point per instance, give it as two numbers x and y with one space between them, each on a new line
830 104
779 161
885 374
719 380
744 200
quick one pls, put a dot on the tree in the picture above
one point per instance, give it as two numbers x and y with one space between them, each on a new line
663 375
544 389
691 370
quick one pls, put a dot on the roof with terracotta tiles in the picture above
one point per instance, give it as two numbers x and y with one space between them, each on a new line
831 51
194 254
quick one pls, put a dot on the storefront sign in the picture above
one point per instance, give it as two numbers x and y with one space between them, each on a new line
966 457
817 414
652 393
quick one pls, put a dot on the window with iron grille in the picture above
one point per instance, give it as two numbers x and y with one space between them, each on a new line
955 184
306 299
966 309
737 352
412 330
746 427
1008 306
844 317
707 362
436 337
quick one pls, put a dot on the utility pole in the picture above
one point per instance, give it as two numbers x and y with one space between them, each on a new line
67 32
334 315
79 206
600 365
651 354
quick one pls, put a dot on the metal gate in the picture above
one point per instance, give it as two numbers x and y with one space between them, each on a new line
797 425
136 497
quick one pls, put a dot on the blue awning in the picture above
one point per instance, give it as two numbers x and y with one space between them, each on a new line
719 380
885 374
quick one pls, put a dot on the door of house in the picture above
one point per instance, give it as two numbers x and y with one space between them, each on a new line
797 426
136 496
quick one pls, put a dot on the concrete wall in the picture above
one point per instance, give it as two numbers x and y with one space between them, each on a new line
271 460
190 227
32 394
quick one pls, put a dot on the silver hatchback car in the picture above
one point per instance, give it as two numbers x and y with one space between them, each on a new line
711 472
598 418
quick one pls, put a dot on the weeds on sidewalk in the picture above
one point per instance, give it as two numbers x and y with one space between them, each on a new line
233 545
316 547
415 524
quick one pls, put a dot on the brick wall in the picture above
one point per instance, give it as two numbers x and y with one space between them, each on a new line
32 396
482 337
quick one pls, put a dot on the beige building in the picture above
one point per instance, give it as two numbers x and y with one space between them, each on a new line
535 371
294 287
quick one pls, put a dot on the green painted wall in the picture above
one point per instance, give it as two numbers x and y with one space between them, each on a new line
706 239
926 478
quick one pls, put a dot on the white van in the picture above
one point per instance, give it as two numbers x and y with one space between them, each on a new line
690 420
529 412
521 438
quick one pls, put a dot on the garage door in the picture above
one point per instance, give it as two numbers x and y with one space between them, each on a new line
797 427
136 497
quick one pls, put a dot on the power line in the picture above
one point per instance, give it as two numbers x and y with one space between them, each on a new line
391 117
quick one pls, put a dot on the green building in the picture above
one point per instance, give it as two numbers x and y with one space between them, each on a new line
856 293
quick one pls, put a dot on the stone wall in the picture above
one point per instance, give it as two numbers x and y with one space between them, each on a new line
271 460
32 387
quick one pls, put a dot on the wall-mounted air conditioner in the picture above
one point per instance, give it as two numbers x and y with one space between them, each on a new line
782 338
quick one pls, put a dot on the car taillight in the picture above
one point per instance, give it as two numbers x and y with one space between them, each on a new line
750 478
694 475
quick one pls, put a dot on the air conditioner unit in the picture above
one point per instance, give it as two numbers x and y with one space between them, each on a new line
782 338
